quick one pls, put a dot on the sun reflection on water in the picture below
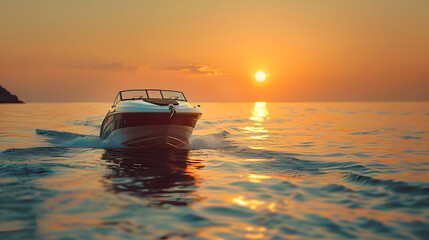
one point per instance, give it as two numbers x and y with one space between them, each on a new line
260 112
259 115
257 178
252 203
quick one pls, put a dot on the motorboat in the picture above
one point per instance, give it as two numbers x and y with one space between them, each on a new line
145 118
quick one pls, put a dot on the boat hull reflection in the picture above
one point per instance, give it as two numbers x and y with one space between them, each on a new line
165 176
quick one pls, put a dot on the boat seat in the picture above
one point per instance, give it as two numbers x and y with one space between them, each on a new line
161 102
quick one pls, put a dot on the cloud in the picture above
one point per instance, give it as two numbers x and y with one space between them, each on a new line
115 66
193 69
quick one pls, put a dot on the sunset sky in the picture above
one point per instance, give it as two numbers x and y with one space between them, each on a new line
61 51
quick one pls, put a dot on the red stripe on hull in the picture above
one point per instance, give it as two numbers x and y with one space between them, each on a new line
116 121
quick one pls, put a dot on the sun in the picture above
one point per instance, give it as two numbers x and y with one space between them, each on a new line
260 76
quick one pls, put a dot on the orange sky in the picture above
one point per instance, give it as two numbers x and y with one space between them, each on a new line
310 50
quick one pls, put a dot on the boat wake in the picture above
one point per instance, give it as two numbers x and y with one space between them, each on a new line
209 141
68 139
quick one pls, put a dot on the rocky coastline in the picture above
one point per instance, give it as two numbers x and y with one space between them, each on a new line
7 97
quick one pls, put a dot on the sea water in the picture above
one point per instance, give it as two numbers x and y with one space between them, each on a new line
252 171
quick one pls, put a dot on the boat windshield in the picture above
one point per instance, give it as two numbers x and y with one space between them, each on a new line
152 94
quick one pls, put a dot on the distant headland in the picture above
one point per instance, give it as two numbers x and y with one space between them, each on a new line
7 97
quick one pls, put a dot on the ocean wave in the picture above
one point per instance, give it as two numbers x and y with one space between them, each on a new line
407 137
23 153
373 132
395 186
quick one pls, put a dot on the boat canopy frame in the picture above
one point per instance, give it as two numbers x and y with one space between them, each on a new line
119 97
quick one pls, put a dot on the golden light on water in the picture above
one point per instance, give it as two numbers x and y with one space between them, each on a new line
257 178
255 232
259 112
260 76
251 203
